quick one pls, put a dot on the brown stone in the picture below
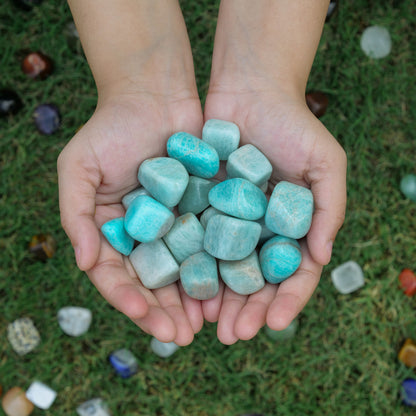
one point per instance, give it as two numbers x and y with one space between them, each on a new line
317 102
42 246
407 354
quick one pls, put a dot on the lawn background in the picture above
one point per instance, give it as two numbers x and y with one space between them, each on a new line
344 358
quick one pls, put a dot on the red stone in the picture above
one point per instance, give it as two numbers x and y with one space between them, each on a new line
317 102
37 65
408 282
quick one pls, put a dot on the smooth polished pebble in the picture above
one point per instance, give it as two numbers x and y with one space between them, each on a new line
147 220
239 198
290 209
408 186
186 237
242 276
15 403
376 42
229 238
117 236
408 392
23 335
195 198
74 320
93 407
199 158
279 257
284 334
207 214
41 395
163 349
266 234
131 196
249 163
407 353
223 135
124 362
165 178
154 264
348 277
199 276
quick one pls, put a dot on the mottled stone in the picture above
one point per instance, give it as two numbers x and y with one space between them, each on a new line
15 403
407 354
408 392
279 257
131 196
199 276
42 246
166 179
37 65
408 186
154 264
41 395
199 158
163 349
23 335
124 362
74 320
186 237
207 215
229 238
284 334
348 277
290 209
195 198
117 236
249 163
223 135
376 42
93 407
147 220
243 276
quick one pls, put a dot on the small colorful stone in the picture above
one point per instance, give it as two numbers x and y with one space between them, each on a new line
42 246
47 118
408 282
195 198
290 209
163 349
284 334
223 135
131 196
348 277
407 354
317 102
198 157
23 335
239 198
154 264
229 238
116 234
408 392
93 407
15 403
74 320
408 186
166 179
37 65
124 363
10 102
41 395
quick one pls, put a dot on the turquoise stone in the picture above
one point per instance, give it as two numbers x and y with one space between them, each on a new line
117 236
229 238
199 276
266 234
249 163
195 198
186 237
290 210
242 276
207 214
147 219
408 186
128 198
284 334
154 264
166 179
199 158
279 257
223 135
239 198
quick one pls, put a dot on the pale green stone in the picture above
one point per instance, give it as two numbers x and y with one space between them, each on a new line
408 186
223 135
283 334
195 198
131 196
207 214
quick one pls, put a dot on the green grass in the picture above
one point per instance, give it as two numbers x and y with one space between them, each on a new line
344 358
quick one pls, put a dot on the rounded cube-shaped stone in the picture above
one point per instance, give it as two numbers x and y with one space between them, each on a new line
124 362
249 163
243 276
199 276
186 237
279 257
195 198
223 135
163 349
229 238
348 277
15 402
199 158
166 179
207 215
290 209
154 264
23 335
41 395
131 196
147 220
117 236
74 320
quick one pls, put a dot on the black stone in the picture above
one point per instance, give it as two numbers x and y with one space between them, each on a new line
10 102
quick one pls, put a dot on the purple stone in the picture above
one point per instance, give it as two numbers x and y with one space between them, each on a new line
10 103
47 118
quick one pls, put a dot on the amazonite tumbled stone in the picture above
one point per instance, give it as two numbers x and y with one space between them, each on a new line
199 276
207 214
131 196
408 186
243 276
154 264
117 236
223 135
186 237
290 210
229 238
265 234
279 258
249 163
195 198
239 198
199 158
166 179
147 219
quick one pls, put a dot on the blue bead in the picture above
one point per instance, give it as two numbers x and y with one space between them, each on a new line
409 392
124 362
199 158
117 236
224 136
280 257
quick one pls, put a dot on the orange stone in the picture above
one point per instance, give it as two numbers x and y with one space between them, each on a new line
407 354
408 282
15 403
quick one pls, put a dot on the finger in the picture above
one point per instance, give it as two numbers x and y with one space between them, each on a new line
193 310
211 307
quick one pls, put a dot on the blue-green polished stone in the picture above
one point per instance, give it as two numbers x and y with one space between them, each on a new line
147 219
154 264
207 214
199 158
166 179
249 163
239 198
290 210
279 257
186 237
408 186
199 276
229 238
223 135
195 198
117 236
128 198
284 334
242 276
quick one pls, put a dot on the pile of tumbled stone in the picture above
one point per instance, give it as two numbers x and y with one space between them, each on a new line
228 225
